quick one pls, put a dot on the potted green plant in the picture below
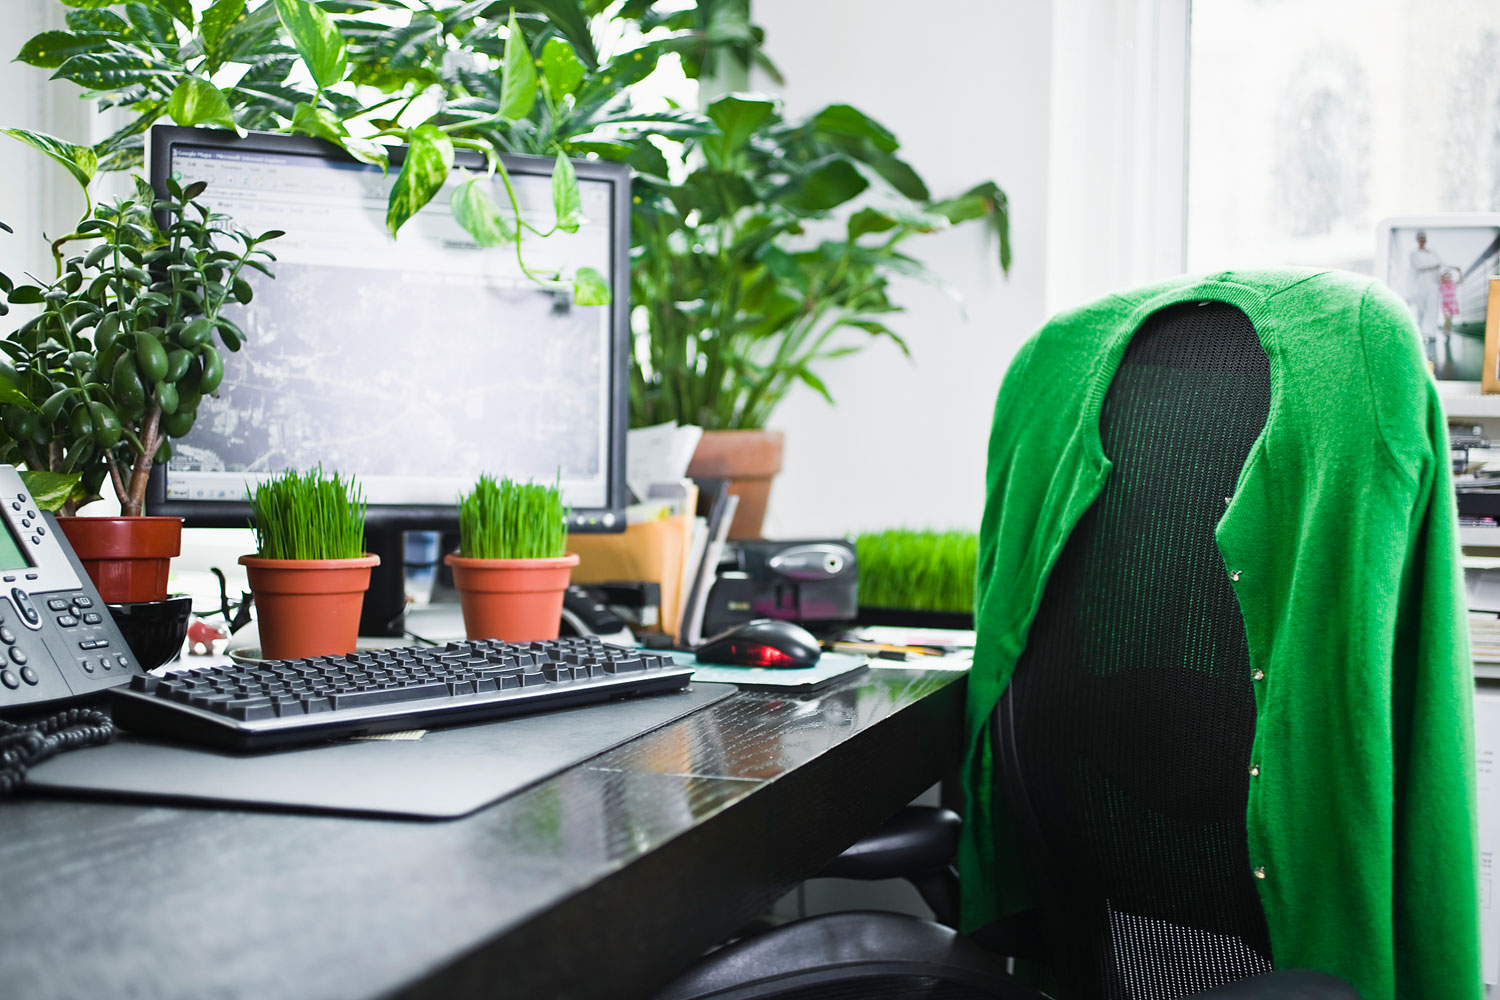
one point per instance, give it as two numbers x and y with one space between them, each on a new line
511 568
113 366
310 571
737 301
918 578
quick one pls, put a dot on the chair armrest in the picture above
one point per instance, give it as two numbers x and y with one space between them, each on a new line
916 840
1284 984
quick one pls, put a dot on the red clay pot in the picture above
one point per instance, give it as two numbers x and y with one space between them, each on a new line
749 460
128 558
517 600
308 607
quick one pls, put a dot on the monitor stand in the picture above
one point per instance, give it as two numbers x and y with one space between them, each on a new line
385 601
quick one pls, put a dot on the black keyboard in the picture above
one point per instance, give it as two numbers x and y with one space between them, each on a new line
275 703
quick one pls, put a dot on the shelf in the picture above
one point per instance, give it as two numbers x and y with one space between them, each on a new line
1463 399
1489 537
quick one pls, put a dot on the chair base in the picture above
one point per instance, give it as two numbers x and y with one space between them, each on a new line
861 953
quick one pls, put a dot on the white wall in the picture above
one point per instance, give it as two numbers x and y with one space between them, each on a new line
36 195
964 85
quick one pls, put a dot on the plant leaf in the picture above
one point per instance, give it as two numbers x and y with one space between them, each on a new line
830 183
180 9
51 49
317 38
737 118
80 161
518 91
110 70
89 4
561 67
565 200
986 201
841 119
324 124
429 159
568 19
51 490
10 394
152 22
195 101
477 212
590 288
217 20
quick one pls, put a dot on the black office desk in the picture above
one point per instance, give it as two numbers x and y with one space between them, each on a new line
601 882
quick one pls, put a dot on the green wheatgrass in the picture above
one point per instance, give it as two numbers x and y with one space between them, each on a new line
919 570
503 519
307 515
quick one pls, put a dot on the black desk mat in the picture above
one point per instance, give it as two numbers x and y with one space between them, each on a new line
447 773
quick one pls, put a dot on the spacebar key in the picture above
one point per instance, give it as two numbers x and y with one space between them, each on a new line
386 696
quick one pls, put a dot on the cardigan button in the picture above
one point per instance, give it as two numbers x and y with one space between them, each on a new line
1260 872
1235 576
1255 770
1257 674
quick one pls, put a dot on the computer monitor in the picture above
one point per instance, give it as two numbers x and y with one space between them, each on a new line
413 363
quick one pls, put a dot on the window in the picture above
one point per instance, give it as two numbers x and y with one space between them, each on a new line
1309 122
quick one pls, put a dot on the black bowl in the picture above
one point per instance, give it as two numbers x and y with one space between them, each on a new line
154 630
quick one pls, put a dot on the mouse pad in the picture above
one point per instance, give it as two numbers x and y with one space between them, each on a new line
447 773
829 668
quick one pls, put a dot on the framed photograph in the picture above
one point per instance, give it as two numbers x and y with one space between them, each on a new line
1441 266
1491 380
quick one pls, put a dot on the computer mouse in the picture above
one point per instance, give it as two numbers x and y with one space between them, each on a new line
763 642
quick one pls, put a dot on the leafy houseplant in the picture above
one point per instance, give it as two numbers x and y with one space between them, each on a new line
113 367
512 567
737 300
310 571
519 76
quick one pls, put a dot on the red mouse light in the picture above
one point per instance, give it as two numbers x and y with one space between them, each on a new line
770 656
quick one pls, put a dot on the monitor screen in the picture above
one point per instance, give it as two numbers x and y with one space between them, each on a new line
414 363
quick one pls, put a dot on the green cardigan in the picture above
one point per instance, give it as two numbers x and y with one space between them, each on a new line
1342 539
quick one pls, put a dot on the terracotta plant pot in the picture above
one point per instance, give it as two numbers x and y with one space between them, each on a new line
308 607
749 460
517 600
128 558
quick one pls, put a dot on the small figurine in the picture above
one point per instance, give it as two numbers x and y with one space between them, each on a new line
201 637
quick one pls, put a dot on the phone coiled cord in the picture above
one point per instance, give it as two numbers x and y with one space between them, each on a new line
22 747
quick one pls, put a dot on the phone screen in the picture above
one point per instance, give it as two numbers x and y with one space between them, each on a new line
11 556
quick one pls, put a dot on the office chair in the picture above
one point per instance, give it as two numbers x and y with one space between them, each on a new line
1122 743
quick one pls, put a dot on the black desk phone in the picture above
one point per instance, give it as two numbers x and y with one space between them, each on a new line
58 643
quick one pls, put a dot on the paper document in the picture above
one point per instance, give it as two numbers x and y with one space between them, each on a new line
1487 753
658 454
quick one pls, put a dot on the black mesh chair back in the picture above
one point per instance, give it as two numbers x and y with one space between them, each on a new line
1124 739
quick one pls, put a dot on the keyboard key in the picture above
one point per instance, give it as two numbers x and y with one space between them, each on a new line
362 699
250 708
625 665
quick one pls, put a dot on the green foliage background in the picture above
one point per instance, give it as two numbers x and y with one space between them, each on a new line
764 246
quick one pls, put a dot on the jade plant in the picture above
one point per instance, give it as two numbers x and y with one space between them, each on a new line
917 570
504 519
125 344
308 515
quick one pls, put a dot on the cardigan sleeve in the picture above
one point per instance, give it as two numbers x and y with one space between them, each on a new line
1435 891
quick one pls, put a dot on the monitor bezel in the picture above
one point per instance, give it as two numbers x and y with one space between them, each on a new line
608 518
